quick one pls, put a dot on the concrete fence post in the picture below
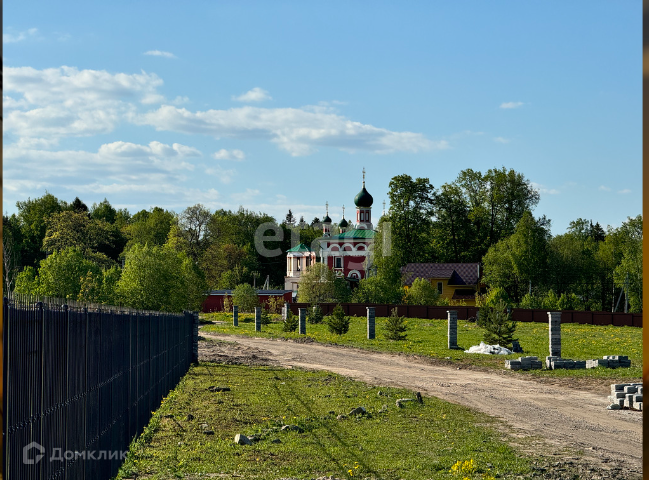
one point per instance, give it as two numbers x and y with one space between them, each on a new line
452 328
235 315
257 319
302 321
554 321
371 325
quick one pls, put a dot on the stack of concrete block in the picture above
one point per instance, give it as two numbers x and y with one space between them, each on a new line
371 323
627 395
609 361
452 328
257 319
554 323
524 363
556 362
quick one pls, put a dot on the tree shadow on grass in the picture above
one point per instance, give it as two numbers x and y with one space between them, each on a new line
321 446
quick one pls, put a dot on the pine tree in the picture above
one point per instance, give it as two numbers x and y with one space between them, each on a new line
337 322
496 321
395 327
291 322
315 314
290 219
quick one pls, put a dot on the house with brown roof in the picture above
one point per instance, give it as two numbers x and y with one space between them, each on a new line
455 281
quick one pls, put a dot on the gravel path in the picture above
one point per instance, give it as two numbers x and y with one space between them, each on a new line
568 420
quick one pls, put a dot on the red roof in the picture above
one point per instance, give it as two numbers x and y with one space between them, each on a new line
457 273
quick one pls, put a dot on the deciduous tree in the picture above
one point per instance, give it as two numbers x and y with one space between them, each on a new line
317 285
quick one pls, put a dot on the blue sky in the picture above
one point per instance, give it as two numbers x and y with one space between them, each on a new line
278 105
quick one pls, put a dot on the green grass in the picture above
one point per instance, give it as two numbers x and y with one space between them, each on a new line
413 442
429 338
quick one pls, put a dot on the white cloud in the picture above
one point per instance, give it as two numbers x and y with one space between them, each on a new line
58 121
20 186
205 197
542 189
36 143
605 188
501 140
255 95
624 192
224 175
158 53
73 86
19 37
297 131
9 103
123 165
224 154
246 196
180 100
511 104
66 101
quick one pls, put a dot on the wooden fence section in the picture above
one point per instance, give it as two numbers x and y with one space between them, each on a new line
464 313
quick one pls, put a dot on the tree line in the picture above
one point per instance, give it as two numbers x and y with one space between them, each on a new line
159 259
487 218
153 259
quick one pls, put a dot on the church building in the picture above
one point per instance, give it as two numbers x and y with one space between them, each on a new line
346 253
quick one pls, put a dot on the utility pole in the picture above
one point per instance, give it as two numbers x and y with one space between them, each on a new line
625 291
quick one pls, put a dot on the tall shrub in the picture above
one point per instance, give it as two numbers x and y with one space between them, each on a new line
497 324
395 327
245 297
337 322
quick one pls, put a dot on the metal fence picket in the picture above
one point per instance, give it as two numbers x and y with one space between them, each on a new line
79 381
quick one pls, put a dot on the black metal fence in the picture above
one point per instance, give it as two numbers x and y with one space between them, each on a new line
80 384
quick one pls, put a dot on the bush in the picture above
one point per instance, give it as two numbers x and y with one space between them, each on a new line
275 304
496 321
227 304
337 322
395 327
315 314
493 297
245 297
421 292
377 290
552 302
291 322
265 317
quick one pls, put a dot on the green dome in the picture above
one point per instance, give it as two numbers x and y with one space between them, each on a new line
343 223
326 219
363 199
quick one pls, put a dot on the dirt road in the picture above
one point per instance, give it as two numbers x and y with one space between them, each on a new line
567 419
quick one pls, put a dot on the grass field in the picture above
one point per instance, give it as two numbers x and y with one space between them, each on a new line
418 441
429 338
